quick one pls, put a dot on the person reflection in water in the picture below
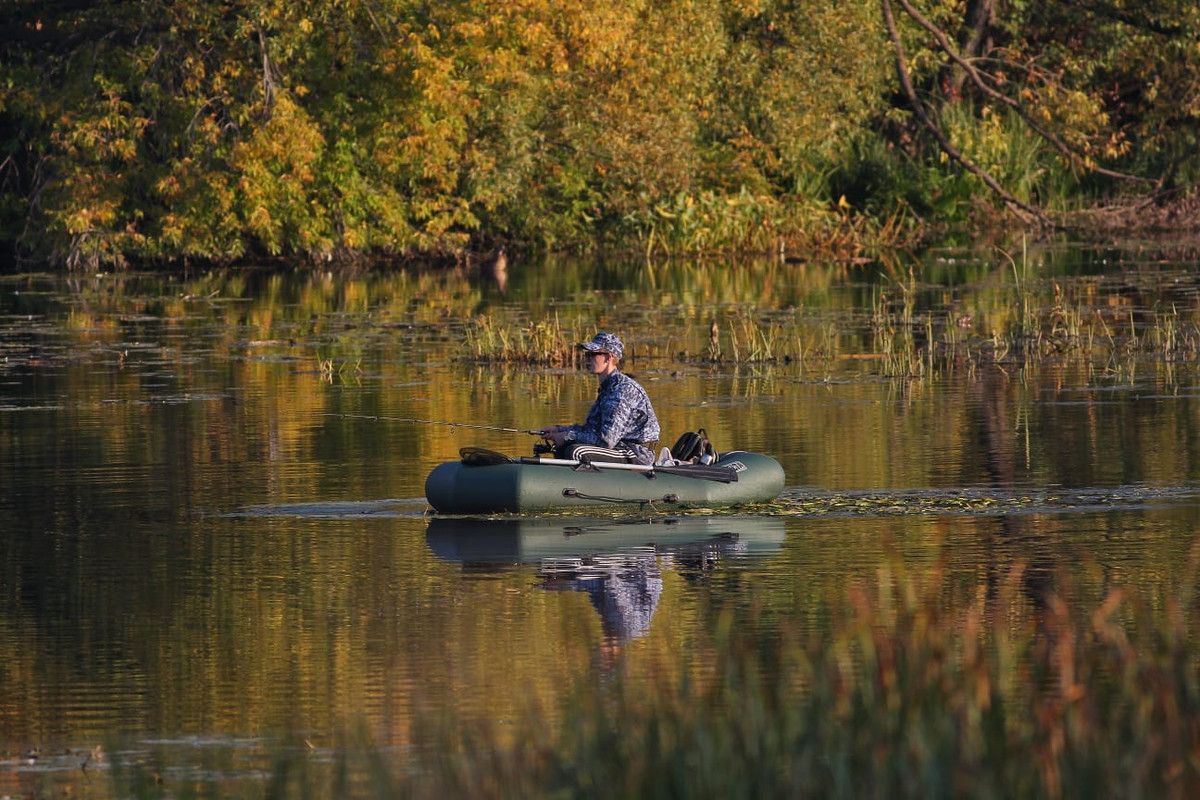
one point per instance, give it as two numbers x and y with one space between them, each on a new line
623 588
627 599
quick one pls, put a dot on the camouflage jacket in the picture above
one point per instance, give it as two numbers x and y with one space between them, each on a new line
622 414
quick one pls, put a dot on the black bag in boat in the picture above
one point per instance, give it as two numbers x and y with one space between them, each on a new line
693 447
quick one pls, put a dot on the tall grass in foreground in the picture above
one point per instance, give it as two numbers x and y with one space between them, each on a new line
1023 691
1019 694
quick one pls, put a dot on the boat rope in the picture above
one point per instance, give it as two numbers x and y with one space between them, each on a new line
415 421
642 503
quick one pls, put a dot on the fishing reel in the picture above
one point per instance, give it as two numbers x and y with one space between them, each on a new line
543 448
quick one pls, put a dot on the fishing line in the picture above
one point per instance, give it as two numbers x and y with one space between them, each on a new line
415 421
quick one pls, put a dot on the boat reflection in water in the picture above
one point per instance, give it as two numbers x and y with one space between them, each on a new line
618 563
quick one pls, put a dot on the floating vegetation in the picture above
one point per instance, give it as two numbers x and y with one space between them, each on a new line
331 368
799 503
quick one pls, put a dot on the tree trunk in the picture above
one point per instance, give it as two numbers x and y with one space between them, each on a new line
975 41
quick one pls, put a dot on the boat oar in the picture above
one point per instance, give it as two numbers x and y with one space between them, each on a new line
704 471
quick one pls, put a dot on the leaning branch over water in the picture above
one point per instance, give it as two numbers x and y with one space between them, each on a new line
977 79
922 113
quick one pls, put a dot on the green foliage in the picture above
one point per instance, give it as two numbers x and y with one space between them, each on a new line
1003 145
799 80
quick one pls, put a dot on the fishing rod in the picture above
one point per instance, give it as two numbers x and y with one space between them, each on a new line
415 421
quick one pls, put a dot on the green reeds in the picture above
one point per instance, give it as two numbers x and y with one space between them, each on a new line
910 330
1038 322
331 368
904 342
542 342
783 338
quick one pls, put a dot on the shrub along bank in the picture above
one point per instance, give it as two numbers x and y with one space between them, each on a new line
209 131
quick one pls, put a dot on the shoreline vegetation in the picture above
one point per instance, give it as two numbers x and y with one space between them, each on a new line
370 133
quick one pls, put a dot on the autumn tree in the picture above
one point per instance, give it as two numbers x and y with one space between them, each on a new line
1096 84
330 129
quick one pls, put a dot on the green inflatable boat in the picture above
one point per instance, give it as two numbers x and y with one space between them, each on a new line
490 483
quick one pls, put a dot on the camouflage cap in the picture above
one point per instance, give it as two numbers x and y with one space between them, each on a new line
605 343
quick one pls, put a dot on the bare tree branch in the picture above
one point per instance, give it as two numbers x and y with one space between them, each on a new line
1000 97
268 73
943 142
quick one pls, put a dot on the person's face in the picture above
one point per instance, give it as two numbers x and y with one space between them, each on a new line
599 363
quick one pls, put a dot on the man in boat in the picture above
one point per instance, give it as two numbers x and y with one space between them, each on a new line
621 425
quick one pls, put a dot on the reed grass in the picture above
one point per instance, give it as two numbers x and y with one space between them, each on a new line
1021 693
546 342
1020 690
903 342
908 331
330 368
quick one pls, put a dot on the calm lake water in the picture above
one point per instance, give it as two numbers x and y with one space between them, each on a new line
215 548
